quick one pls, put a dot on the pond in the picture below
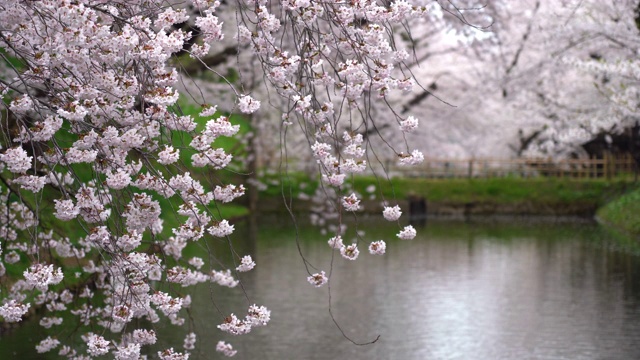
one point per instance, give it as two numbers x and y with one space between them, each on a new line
482 289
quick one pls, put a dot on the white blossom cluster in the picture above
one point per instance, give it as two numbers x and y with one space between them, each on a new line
372 65
99 136
392 213
377 247
225 349
408 233
41 276
256 316
12 311
318 279
246 264
350 252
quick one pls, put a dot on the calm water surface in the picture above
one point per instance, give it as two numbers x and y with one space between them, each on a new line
460 290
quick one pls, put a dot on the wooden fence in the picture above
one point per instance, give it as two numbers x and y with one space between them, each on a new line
606 167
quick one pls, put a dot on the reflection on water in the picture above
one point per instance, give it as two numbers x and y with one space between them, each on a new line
458 291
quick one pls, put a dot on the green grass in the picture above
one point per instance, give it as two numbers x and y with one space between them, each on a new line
11 61
504 190
293 184
537 192
623 213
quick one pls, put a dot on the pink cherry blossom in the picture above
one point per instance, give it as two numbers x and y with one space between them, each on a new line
349 252
392 213
317 279
377 247
408 233
225 349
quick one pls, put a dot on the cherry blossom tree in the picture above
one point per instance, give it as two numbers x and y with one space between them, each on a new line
606 53
547 77
94 138
550 77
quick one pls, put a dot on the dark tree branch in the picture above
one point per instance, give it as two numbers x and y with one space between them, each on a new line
209 61
420 97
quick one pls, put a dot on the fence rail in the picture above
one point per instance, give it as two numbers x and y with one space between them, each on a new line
606 167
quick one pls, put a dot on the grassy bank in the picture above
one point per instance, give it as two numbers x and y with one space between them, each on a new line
510 190
517 196
623 213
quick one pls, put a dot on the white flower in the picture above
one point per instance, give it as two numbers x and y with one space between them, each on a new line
317 279
228 193
122 313
170 17
246 264
407 233
399 56
220 126
353 166
210 28
47 344
409 125
354 150
336 242
170 354
350 252
196 262
391 213
21 104
12 311
74 156
41 276
48 322
144 337
129 242
244 35
377 247
96 344
118 180
225 349
42 130
248 105
165 303
198 51
221 229
129 352
415 158
31 183
334 179
183 123
169 155
11 257
190 341
321 150
258 315
235 326
351 202
17 160
217 158
223 278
